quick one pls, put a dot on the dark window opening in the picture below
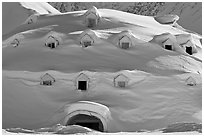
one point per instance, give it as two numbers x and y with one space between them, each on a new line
87 43
47 83
121 84
189 50
168 47
51 45
91 23
125 45
82 85
91 122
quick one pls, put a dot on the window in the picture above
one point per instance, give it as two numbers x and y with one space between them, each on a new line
189 50
87 43
51 45
168 47
125 45
91 23
48 83
121 84
82 85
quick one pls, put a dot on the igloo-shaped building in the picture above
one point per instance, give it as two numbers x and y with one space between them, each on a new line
32 19
168 42
53 39
82 82
47 80
121 81
91 17
87 38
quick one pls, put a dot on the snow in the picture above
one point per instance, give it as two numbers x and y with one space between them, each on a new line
156 95
13 18
190 14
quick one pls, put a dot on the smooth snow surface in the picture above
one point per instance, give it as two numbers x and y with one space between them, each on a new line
156 95
16 13
190 14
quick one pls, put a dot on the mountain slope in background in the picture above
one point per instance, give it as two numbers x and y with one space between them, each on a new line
190 14
13 18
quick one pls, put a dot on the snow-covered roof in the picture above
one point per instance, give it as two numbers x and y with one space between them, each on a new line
32 19
15 39
92 12
125 38
47 77
168 39
190 81
168 42
121 77
88 35
54 35
82 77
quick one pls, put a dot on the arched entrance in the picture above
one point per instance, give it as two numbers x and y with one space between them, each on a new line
91 122
88 114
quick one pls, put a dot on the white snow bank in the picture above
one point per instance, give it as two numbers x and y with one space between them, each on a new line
148 102
177 63
40 7
174 129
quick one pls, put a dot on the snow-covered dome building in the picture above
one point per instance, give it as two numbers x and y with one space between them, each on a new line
53 39
82 82
91 17
121 81
88 38
32 19
47 80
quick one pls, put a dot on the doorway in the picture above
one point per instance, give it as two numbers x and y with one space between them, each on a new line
125 45
82 85
168 47
189 50
91 23
91 122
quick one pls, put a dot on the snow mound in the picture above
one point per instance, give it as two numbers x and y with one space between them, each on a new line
177 63
167 19
175 129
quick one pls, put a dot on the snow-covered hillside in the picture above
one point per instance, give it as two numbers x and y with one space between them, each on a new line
160 66
16 13
190 14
